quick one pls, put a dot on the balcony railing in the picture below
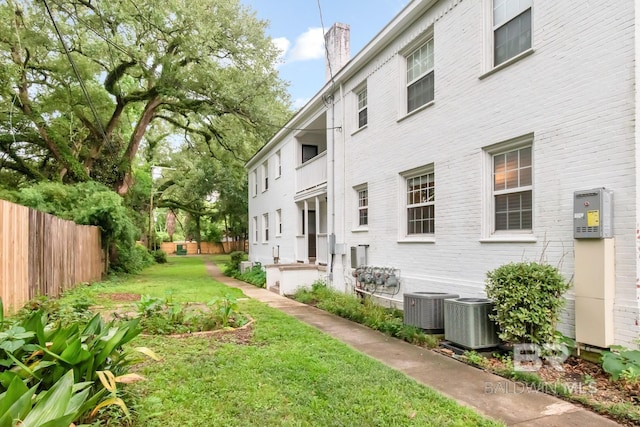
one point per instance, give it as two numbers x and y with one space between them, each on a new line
322 249
312 173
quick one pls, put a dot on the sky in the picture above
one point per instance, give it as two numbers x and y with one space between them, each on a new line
295 27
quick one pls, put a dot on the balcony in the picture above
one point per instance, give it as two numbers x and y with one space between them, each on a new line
312 173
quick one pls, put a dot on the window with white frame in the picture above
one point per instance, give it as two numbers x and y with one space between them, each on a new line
265 227
254 183
362 107
265 176
363 205
278 164
420 76
511 29
420 202
512 190
256 235
278 222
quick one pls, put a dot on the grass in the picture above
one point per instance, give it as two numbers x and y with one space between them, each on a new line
290 374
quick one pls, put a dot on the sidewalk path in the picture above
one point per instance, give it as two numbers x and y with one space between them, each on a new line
489 394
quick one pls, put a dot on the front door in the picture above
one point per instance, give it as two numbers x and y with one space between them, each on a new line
311 226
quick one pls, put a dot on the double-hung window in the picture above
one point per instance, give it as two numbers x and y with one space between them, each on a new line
511 29
362 108
254 183
278 222
512 190
420 203
420 76
265 227
363 206
265 176
256 234
278 164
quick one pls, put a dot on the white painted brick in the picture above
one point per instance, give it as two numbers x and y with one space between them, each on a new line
576 93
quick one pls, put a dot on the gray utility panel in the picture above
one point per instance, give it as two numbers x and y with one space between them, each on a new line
593 214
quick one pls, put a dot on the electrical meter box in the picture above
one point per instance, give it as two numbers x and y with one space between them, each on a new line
593 214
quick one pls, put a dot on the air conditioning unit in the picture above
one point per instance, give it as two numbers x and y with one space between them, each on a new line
245 266
467 323
426 310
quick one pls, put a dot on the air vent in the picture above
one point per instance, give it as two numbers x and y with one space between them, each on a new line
467 323
426 310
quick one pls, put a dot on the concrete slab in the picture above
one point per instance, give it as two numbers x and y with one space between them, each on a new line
510 402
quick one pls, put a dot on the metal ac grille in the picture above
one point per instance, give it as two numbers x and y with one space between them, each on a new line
425 309
587 229
467 323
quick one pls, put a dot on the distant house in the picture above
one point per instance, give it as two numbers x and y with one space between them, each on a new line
466 135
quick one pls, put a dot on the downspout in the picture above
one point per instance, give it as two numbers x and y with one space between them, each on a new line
332 183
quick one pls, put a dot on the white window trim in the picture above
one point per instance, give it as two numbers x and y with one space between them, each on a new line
265 228
254 182
402 81
265 175
403 237
359 92
489 68
278 157
357 227
256 233
488 235
278 231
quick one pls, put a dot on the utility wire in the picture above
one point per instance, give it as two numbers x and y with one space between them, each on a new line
77 73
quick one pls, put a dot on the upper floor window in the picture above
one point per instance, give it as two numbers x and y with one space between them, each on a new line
362 107
512 189
265 176
278 164
420 76
511 29
309 152
254 183
420 203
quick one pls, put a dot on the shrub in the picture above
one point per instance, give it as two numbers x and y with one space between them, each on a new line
256 276
133 259
159 256
528 299
236 258
621 362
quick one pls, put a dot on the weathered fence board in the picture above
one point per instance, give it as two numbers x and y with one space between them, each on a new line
41 254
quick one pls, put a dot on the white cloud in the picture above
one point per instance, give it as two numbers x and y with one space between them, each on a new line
308 45
282 44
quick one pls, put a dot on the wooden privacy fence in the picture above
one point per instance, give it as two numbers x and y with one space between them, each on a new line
41 254
207 248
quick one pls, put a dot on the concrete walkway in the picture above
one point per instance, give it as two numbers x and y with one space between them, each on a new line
490 395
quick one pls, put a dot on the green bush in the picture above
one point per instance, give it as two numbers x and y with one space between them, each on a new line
622 362
236 258
159 256
133 259
528 299
256 276
364 311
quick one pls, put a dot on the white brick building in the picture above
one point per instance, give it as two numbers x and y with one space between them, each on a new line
453 143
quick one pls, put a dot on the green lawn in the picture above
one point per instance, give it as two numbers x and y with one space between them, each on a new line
289 374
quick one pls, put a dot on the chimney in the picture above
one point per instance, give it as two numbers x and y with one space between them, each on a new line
337 49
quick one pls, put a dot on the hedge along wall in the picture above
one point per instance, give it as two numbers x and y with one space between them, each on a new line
41 254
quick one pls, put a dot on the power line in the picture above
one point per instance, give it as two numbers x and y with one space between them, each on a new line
77 73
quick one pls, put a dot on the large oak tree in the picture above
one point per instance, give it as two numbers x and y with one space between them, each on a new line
201 67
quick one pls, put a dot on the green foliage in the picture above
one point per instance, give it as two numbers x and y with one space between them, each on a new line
39 354
159 256
256 276
475 358
133 259
90 203
234 264
622 363
161 316
63 403
528 299
364 311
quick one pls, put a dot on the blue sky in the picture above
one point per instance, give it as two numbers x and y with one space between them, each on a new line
295 27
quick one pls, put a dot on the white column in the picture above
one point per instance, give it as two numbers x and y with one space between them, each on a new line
317 229
306 232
